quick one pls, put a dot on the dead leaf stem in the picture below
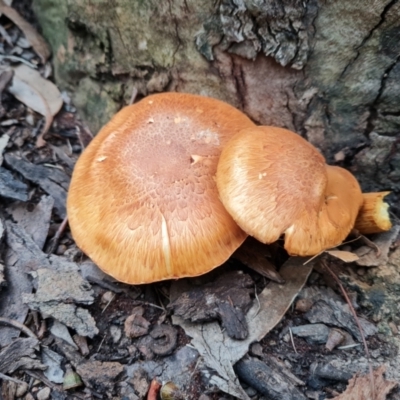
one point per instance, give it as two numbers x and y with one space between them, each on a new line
18 325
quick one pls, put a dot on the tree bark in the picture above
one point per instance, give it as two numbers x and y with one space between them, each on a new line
326 69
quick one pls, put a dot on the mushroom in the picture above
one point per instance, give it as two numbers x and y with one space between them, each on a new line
143 203
273 182
374 214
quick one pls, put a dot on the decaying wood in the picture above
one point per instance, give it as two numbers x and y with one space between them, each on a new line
19 354
267 380
52 180
12 188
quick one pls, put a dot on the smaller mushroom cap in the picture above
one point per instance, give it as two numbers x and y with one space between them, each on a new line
274 182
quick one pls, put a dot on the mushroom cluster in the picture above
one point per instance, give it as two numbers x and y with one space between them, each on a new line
148 203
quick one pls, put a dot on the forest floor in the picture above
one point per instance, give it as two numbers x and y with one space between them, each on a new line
68 331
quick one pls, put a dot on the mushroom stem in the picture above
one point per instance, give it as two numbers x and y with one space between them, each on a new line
373 216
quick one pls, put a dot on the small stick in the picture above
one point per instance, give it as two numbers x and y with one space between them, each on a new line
8 378
292 340
18 325
108 303
145 303
57 236
258 302
101 343
353 311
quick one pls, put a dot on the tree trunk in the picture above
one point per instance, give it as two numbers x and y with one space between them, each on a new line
326 69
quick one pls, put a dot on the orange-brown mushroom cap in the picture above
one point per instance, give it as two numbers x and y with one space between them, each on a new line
273 182
143 203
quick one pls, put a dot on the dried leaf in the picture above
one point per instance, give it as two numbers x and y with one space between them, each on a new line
345 256
360 387
253 254
219 351
36 41
39 94
384 240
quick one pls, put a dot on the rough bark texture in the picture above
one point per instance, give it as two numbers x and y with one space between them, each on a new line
326 69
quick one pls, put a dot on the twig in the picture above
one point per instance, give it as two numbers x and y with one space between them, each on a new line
145 303
8 378
313 257
108 303
258 302
292 340
348 346
42 378
353 311
199 360
332 248
18 325
18 59
393 215
101 343
57 236
159 299
371 244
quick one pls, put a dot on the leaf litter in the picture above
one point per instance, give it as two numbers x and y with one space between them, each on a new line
35 39
219 351
37 93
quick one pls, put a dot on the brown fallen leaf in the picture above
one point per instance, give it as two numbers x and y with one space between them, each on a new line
345 256
32 36
39 94
254 255
368 256
359 387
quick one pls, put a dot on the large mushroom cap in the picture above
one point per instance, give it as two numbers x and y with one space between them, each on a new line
143 203
274 182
